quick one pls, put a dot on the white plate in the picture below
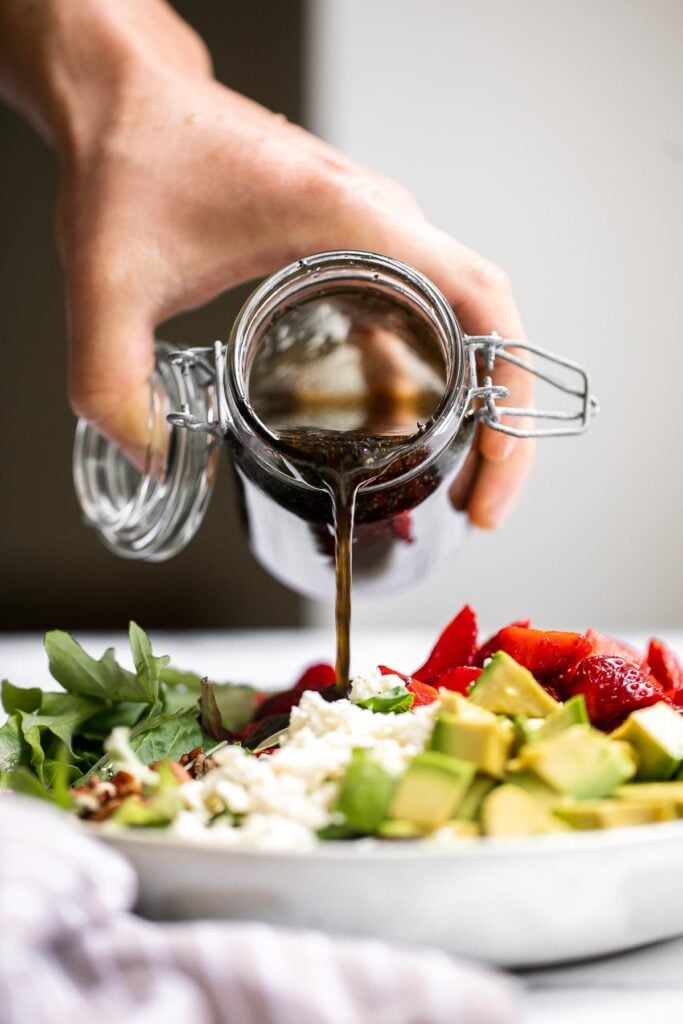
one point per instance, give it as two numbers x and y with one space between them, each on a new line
518 902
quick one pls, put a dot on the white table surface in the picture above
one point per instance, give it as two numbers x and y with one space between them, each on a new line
629 988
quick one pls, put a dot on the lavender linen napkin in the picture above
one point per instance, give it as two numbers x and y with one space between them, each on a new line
71 950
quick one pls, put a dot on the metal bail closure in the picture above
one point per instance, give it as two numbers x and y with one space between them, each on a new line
484 350
153 512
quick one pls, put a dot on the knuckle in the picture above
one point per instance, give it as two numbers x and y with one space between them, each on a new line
489 276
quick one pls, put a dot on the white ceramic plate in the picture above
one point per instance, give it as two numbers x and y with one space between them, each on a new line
518 902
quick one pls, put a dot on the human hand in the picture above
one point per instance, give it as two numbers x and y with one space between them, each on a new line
175 188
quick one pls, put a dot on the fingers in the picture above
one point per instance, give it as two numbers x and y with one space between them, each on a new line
482 298
498 485
111 359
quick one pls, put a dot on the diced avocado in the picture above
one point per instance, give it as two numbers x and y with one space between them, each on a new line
572 712
510 811
589 814
540 791
580 761
429 793
474 734
662 792
526 729
479 788
656 735
399 830
460 829
507 688
365 793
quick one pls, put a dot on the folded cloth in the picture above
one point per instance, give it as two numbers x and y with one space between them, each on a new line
70 946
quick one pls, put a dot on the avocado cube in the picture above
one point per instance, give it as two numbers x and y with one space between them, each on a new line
540 791
670 793
474 734
656 735
506 688
399 830
431 789
510 811
364 793
572 712
580 761
470 807
589 814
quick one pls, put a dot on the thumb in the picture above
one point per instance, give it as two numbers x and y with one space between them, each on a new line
111 361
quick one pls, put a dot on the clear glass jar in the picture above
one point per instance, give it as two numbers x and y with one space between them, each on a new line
306 345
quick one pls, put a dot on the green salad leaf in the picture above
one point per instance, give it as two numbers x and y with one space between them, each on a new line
397 699
167 736
53 739
77 672
13 748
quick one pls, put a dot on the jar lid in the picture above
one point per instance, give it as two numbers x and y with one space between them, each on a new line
152 513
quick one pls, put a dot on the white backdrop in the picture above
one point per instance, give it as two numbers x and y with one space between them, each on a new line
548 136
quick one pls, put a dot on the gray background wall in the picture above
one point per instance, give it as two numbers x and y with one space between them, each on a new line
548 136
54 572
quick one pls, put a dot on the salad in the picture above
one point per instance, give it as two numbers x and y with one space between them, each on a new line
529 732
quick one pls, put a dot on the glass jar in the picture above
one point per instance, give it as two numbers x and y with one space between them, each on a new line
325 349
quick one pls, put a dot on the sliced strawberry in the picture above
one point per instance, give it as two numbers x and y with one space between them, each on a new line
456 646
386 671
664 665
459 679
422 693
546 653
613 687
317 677
493 643
601 644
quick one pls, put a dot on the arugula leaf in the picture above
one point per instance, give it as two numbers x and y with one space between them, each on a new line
167 737
24 781
147 667
225 708
60 715
102 722
397 699
17 698
365 793
78 673
176 677
13 748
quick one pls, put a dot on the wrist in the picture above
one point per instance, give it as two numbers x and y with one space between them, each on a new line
69 65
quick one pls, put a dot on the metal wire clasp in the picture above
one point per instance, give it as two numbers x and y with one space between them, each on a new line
489 348
207 365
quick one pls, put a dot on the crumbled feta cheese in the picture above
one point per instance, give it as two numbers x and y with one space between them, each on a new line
281 800
372 684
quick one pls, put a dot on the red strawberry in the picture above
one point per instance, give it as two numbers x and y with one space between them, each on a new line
613 687
422 693
664 665
545 653
459 679
386 671
456 646
316 677
493 643
601 644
